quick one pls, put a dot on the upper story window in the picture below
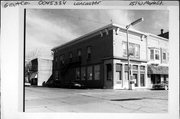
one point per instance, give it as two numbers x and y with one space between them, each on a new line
62 59
134 50
79 52
89 51
70 56
164 56
157 54
154 54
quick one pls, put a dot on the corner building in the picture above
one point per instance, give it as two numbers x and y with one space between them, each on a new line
99 59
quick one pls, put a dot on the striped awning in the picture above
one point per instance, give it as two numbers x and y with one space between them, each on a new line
158 69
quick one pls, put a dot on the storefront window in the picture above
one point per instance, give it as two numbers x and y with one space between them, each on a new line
135 67
142 79
118 71
142 68
97 72
89 73
83 73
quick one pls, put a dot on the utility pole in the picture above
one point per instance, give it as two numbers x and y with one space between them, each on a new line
128 54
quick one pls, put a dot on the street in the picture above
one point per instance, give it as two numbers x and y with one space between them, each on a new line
43 99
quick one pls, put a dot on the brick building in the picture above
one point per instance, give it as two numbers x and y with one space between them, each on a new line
99 59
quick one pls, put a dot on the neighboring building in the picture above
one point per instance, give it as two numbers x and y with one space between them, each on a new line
41 67
41 71
158 58
99 58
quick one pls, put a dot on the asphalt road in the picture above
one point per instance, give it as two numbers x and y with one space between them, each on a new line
41 99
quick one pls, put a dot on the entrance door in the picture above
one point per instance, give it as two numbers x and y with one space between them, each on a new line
108 82
135 77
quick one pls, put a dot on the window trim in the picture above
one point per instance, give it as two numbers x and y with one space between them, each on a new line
155 50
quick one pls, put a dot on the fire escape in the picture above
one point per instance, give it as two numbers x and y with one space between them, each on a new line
68 64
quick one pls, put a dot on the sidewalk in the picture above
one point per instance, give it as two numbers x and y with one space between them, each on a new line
42 99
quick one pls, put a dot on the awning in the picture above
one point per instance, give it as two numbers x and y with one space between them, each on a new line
157 69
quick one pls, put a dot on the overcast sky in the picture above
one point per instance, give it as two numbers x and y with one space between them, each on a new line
47 28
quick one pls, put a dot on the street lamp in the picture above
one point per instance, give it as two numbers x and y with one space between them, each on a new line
128 54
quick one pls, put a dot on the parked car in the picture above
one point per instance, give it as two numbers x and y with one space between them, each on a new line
74 85
27 84
162 85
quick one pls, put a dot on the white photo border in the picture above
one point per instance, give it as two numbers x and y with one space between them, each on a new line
12 56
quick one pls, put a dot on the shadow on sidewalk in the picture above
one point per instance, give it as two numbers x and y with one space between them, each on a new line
128 99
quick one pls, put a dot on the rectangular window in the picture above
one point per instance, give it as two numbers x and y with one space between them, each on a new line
152 54
135 67
157 54
131 50
134 50
89 52
118 67
70 56
97 72
79 52
118 71
109 71
83 73
78 73
62 59
142 79
142 68
137 51
89 73
164 56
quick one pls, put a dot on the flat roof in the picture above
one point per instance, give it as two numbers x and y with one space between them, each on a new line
112 25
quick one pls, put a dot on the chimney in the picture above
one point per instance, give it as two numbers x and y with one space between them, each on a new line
162 31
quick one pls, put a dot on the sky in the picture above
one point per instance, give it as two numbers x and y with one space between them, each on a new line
48 28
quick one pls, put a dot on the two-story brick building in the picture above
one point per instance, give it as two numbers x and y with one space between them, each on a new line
99 59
